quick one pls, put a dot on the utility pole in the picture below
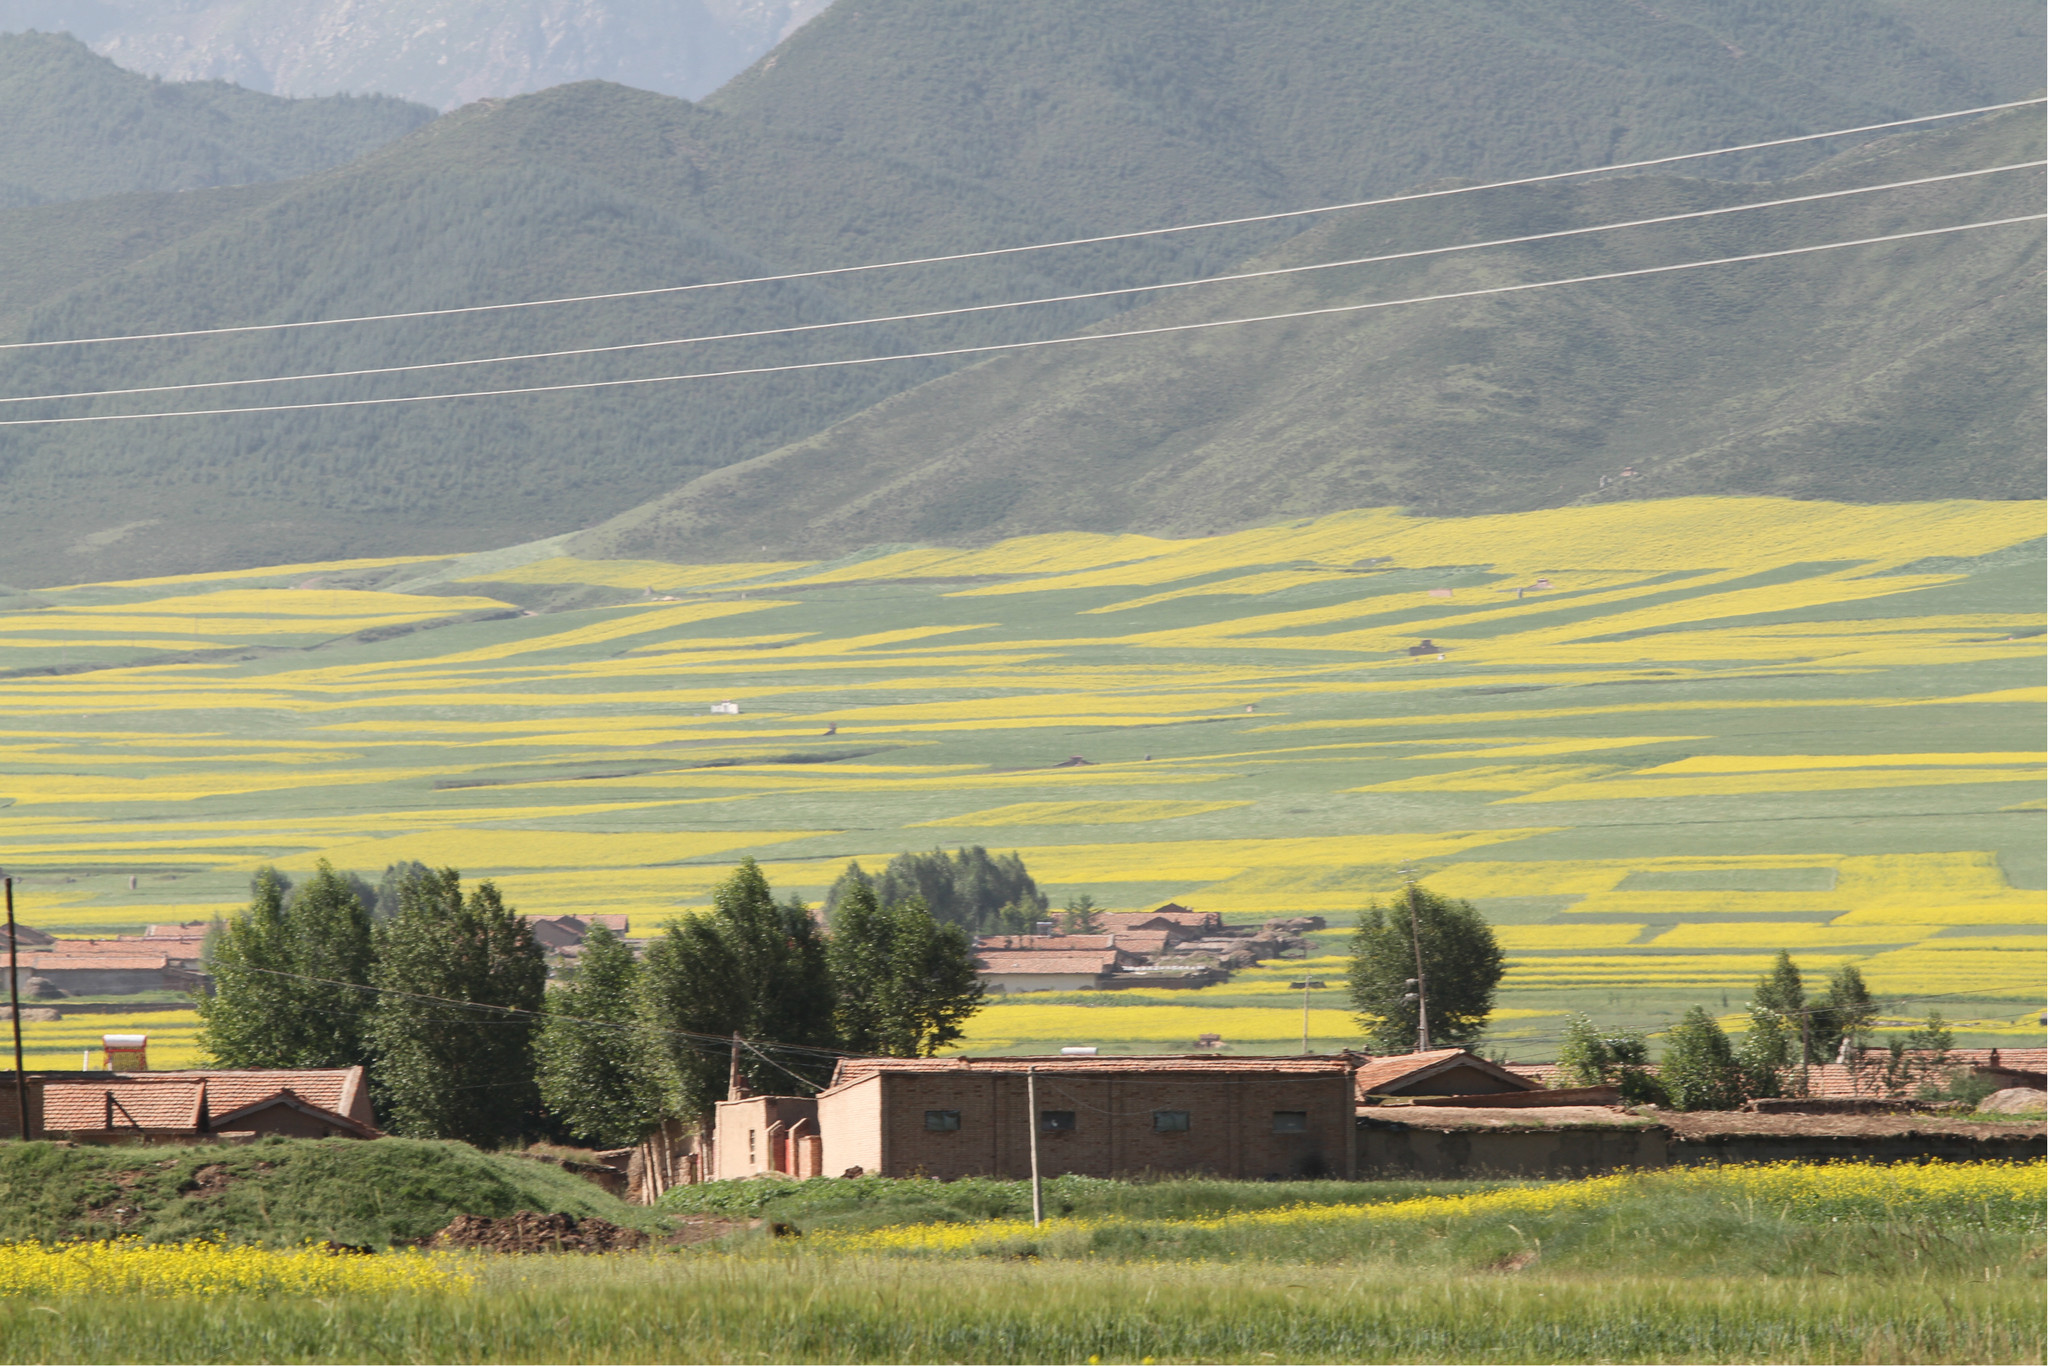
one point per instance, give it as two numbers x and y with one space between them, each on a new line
14 1000
1031 1105
1307 985
1805 1052
1421 984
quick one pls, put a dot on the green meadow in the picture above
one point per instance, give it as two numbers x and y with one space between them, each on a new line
1655 742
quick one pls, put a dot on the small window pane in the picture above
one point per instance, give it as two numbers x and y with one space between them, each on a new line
942 1121
1290 1121
1170 1121
1055 1121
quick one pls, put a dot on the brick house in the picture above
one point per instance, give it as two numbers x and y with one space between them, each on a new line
755 1134
1241 1118
111 1107
1046 970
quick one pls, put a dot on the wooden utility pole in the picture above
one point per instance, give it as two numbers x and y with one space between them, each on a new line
14 1000
1031 1107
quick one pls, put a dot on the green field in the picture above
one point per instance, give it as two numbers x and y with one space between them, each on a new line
1724 726
1790 1263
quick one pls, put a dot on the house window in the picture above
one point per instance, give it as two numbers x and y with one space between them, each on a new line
750 1145
1169 1121
942 1121
1290 1121
1055 1121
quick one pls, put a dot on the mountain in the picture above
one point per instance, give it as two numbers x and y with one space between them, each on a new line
78 126
995 125
440 52
1900 372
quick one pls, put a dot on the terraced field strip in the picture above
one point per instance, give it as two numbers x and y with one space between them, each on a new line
1654 741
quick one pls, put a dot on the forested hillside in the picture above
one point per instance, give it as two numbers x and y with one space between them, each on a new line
1898 372
79 126
895 129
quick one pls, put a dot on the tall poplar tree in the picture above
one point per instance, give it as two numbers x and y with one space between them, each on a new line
597 1071
460 982
749 967
906 983
286 976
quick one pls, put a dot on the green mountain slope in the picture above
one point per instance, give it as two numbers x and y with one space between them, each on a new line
1002 124
79 126
1904 371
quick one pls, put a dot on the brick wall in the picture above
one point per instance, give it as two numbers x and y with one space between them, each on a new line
1231 1126
748 1134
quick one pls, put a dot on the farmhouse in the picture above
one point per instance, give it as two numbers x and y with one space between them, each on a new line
1243 1118
756 1134
1045 970
1439 1072
111 1107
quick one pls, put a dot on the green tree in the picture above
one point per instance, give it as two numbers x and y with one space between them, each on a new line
748 967
970 887
1589 1057
1767 1051
1462 965
286 976
595 1067
1699 1070
1782 991
461 983
1081 916
854 877
1844 1016
906 984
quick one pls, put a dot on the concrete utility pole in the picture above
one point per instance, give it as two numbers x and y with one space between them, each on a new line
1307 985
1031 1105
1421 982
14 1000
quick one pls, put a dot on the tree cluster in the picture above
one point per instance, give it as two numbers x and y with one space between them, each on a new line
980 892
444 995
1459 963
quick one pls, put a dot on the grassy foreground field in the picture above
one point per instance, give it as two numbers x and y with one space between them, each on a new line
1662 740
1790 1263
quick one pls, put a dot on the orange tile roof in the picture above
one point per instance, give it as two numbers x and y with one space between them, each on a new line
1045 943
1191 1064
339 1089
84 1107
1088 960
101 962
1377 1073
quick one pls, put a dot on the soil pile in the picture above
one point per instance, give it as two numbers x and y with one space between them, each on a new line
527 1231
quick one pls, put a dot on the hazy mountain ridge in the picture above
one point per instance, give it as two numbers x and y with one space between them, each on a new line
440 52
594 187
79 126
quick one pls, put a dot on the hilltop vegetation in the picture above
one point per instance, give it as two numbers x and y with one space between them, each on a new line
993 125
78 127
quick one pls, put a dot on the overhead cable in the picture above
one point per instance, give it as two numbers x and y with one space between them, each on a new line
986 253
929 314
995 347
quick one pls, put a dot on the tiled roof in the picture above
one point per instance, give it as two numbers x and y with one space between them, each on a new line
94 962
2019 1059
1168 914
1542 1073
1045 943
100 1106
229 1119
339 1089
1202 1064
1144 941
1092 960
1377 1073
27 934
184 929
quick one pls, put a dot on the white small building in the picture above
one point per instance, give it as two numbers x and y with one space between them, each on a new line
725 709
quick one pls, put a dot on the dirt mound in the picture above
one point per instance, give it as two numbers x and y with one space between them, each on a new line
2014 1100
530 1232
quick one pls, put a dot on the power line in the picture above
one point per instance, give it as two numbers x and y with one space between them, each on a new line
1032 247
1027 345
928 314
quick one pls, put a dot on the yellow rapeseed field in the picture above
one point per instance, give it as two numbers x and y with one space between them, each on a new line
202 1269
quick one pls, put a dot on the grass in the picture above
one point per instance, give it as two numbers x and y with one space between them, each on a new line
279 1193
1815 1264
1692 749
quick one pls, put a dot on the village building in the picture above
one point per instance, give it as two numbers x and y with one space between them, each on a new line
755 1134
1046 970
193 1106
1438 1072
1240 1118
